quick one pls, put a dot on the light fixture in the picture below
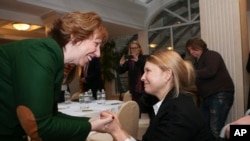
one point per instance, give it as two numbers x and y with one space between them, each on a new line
152 45
21 26
170 48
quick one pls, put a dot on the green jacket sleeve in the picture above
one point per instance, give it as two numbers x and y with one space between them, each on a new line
37 77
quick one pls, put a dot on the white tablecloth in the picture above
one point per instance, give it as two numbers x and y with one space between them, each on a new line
94 109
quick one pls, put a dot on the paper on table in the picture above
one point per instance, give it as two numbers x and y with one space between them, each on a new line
86 110
113 102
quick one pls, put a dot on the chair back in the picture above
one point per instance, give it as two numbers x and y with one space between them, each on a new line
143 125
128 116
127 96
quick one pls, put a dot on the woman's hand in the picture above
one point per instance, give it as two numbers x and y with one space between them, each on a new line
123 60
114 127
99 124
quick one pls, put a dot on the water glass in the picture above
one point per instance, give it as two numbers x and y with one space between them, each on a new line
81 100
67 99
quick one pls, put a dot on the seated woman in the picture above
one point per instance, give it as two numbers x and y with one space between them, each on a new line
175 116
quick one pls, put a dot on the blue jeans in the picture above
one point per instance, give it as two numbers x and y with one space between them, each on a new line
215 109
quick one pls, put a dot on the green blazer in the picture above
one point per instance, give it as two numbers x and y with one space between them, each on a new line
31 75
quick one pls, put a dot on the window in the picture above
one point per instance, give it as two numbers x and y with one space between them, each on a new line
174 25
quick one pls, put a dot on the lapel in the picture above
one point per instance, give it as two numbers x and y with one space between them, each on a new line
163 108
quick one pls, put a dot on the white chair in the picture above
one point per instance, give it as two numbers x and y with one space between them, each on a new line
128 116
223 130
143 125
127 96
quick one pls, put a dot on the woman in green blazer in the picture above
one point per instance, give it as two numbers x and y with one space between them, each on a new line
31 76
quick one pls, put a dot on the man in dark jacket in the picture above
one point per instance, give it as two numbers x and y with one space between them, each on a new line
214 84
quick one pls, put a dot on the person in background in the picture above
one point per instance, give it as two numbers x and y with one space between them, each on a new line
133 63
170 79
31 78
93 81
214 84
68 74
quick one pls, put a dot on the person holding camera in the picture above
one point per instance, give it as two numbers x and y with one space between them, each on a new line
133 63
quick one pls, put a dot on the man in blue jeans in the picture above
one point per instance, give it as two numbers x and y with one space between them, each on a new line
214 84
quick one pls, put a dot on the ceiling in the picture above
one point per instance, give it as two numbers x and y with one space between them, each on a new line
121 17
13 11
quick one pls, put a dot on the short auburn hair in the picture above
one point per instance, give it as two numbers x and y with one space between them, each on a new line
80 25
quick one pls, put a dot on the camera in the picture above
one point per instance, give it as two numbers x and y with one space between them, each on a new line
128 56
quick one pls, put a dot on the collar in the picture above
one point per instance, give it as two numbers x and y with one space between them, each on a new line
157 106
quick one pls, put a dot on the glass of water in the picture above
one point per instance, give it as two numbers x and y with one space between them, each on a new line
81 100
67 97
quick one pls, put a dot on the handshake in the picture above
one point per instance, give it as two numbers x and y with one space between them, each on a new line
109 123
